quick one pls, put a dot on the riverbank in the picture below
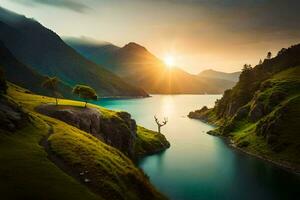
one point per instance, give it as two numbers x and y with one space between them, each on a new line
196 160
230 142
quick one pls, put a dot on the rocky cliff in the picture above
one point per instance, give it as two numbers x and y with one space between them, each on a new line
117 130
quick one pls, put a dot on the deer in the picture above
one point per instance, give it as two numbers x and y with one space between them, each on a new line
160 124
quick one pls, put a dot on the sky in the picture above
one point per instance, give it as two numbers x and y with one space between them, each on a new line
199 34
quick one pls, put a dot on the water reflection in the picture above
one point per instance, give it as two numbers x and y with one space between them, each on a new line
167 106
200 166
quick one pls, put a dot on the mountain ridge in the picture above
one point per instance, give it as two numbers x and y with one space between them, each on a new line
136 64
210 73
49 55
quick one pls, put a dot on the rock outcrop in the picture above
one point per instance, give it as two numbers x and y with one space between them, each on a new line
12 116
117 130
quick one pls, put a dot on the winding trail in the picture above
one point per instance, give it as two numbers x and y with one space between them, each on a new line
71 171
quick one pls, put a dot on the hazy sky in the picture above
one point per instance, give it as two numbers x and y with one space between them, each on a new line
200 34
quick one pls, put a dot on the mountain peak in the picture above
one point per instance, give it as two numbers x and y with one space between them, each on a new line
132 46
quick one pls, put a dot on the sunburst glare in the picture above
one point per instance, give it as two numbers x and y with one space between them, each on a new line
169 60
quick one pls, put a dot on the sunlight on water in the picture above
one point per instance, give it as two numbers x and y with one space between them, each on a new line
200 166
167 106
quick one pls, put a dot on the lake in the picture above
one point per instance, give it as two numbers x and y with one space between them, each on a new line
197 165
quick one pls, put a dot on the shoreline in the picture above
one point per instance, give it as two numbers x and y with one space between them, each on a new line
282 165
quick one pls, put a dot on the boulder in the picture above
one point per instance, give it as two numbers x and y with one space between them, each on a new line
12 115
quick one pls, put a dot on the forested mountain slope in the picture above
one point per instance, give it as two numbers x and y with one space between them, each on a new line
261 113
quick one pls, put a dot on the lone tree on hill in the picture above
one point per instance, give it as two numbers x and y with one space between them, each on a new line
85 92
160 124
269 55
51 83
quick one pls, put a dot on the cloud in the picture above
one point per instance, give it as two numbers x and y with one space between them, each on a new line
276 18
66 4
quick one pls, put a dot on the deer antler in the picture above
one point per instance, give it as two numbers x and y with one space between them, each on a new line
165 121
156 119
159 123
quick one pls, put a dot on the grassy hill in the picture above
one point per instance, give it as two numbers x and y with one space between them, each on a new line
140 67
261 113
44 51
46 158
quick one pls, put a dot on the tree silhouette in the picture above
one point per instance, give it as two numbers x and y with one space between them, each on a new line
260 62
246 67
85 92
269 55
160 124
282 51
51 83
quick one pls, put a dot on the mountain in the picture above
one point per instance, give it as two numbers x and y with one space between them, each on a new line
261 113
94 50
136 64
210 73
20 74
44 51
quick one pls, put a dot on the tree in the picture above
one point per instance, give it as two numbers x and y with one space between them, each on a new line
282 51
85 92
246 67
269 55
3 85
260 62
160 124
51 83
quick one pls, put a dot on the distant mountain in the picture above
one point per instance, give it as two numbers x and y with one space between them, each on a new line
210 73
20 74
43 50
96 51
137 65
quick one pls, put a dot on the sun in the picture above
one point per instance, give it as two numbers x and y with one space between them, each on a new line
169 61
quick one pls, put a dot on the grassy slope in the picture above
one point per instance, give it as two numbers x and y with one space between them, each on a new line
247 135
112 174
25 171
287 81
149 142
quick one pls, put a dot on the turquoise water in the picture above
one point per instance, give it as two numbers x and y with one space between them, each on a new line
200 166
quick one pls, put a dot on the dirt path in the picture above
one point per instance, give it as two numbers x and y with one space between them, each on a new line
71 171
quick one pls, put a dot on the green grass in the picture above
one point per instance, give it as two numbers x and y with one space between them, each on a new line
245 133
149 142
109 169
27 173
